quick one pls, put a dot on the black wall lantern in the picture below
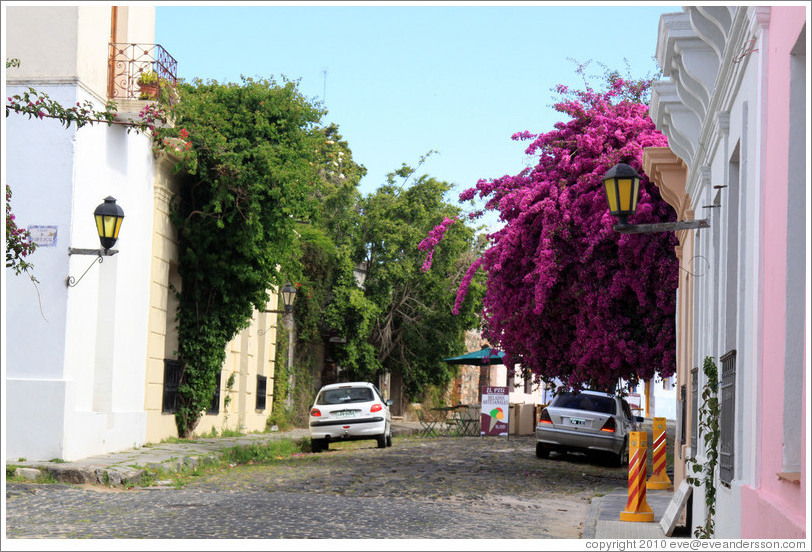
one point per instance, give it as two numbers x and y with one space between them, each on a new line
622 186
288 295
109 217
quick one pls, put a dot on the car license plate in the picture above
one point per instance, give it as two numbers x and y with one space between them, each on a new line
577 421
345 413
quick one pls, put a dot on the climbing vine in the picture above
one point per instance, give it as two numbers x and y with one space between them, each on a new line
708 428
247 180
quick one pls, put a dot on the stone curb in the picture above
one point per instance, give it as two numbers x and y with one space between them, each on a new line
591 522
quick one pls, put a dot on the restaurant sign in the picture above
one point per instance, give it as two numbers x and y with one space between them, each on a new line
495 411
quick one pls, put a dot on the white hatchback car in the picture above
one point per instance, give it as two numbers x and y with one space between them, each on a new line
350 412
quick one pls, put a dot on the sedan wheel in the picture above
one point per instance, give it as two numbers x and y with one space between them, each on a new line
318 445
381 440
542 451
621 459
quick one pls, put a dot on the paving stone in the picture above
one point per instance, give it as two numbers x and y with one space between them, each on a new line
416 489
441 488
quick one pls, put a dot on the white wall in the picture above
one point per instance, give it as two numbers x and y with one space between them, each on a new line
53 53
664 401
726 295
516 394
75 372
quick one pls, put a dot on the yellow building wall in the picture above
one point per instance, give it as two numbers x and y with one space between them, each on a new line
669 173
249 354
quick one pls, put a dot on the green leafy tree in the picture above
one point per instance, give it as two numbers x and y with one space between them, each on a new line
319 239
328 226
248 179
401 321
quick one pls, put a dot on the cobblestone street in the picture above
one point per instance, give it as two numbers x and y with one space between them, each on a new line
461 488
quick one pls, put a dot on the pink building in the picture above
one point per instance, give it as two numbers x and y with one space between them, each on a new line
733 105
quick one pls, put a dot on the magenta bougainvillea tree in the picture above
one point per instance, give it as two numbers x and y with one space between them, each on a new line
567 296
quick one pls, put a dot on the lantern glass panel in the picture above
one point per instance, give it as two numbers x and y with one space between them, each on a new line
108 225
635 194
611 194
625 191
288 293
100 225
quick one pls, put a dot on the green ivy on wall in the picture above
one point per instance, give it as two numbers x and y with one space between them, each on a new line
708 428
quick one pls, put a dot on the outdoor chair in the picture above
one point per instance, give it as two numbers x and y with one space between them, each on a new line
428 423
468 422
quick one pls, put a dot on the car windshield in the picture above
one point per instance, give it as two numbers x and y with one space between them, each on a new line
345 395
582 401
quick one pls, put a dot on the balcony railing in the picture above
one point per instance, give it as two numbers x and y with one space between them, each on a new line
128 62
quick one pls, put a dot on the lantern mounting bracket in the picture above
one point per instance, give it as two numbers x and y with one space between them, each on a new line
101 252
661 226
70 281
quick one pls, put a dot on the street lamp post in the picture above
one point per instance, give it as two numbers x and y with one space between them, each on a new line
288 293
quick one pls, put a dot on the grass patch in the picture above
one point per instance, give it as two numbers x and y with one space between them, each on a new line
44 478
174 440
47 478
267 453
224 433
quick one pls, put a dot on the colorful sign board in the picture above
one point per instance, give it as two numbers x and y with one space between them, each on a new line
495 411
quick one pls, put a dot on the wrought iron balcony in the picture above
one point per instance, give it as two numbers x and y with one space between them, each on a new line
128 62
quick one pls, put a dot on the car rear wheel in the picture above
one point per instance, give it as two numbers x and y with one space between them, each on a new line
318 445
381 440
389 439
621 459
542 451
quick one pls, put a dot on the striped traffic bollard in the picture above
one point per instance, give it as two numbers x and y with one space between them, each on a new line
637 509
659 479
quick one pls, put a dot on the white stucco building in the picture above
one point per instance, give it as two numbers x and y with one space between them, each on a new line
74 355
86 365
733 102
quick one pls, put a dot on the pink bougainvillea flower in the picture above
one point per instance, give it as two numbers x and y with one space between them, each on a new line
567 296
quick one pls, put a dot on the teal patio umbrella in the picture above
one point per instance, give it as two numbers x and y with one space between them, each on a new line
484 357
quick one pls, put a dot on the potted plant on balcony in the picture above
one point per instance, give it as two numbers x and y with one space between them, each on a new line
153 87
148 85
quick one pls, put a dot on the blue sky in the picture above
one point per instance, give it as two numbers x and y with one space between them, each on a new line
403 79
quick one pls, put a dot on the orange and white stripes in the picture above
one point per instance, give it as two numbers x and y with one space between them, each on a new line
637 509
659 479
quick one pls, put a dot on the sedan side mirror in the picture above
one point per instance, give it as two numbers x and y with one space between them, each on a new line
389 402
